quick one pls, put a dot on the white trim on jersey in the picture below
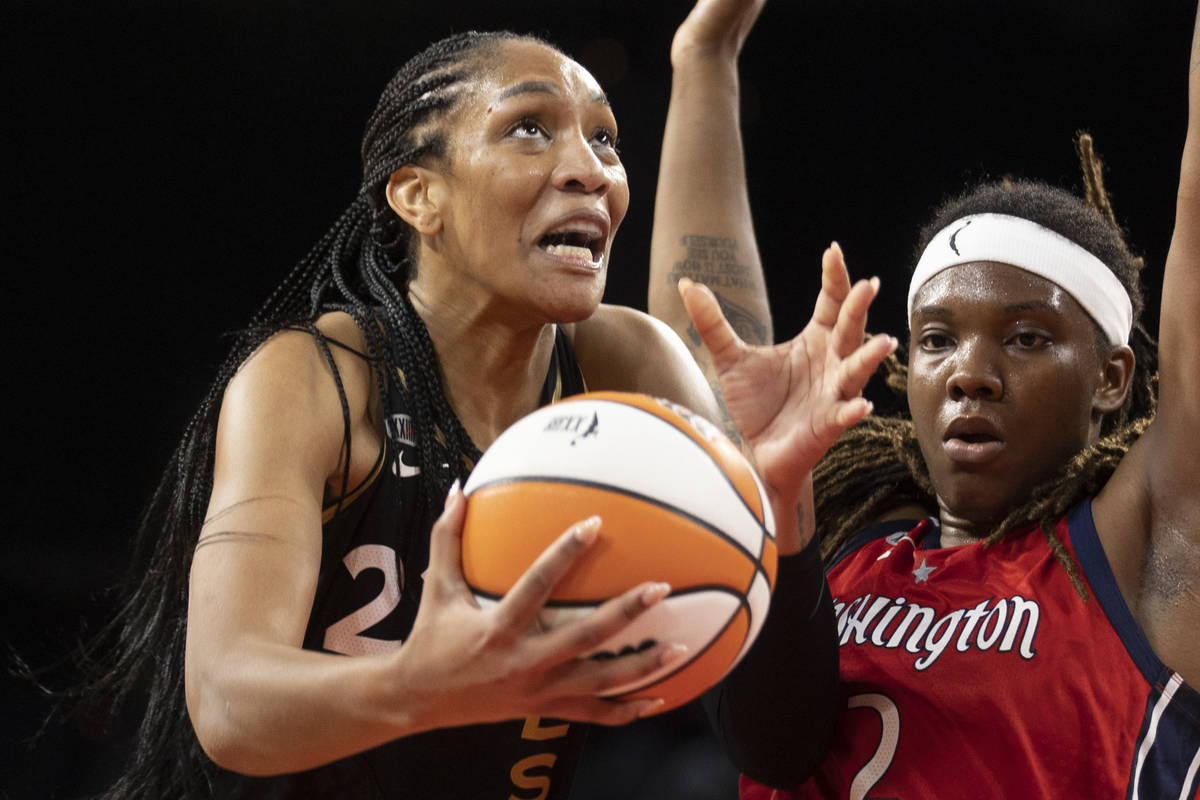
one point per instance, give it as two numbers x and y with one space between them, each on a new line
1190 780
1156 715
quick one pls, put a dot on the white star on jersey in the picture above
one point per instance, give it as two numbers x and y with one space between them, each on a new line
922 572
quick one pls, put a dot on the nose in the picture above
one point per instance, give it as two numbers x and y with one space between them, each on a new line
974 373
580 168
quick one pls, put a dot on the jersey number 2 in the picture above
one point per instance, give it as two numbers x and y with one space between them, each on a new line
345 635
866 778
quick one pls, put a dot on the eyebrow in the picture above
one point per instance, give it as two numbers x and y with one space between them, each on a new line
541 87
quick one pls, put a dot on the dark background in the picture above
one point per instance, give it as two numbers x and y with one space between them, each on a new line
168 162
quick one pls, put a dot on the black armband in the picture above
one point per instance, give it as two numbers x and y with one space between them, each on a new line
775 712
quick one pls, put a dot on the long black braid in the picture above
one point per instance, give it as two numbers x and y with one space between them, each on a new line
877 466
362 266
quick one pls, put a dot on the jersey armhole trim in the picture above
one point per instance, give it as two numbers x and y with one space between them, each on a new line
1085 541
335 505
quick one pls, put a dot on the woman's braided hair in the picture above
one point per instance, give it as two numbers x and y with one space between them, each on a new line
877 466
362 266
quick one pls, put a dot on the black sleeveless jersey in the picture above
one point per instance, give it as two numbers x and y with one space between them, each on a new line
376 546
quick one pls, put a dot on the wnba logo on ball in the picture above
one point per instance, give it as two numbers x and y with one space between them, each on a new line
579 425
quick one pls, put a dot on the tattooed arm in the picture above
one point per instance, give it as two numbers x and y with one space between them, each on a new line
702 224
703 232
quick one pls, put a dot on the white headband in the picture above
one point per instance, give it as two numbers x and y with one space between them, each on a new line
1029 246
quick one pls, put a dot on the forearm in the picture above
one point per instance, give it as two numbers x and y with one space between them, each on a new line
702 224
795 518
775 713
1179 350
265 708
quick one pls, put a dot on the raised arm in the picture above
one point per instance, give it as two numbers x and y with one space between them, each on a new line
1178 474
1148 516
703 232
702 224
1173 471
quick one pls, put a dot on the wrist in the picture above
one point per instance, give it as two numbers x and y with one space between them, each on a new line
388 696
795 522
708 62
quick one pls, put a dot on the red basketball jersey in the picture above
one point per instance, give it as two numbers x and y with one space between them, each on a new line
979 672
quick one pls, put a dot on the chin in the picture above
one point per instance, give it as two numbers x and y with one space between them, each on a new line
576 306
977 502
575 314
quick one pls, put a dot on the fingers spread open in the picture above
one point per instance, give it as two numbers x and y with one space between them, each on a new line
722 341
851 412
571 675
597 677
858 368
835 286
586 634
852 318
526 598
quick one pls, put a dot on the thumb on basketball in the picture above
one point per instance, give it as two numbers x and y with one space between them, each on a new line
718 335
445 545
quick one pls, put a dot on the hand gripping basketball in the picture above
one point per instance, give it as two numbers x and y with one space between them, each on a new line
465 664
680 504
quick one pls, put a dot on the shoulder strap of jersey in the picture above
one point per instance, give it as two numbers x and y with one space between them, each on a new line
564 377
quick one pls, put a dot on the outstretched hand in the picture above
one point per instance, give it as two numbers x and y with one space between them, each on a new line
791 401
715 27
465 664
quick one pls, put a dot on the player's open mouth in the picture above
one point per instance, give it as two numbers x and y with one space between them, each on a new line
577 246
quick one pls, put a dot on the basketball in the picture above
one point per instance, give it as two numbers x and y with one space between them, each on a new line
678 502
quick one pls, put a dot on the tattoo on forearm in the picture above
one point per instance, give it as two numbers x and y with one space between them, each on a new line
730 429
713 260
806 519
745 323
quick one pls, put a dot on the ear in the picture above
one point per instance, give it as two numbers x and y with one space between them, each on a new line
414 193
1116 375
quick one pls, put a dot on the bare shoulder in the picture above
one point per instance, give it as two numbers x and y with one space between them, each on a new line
623 349
625 323
292 363
284 399
617 343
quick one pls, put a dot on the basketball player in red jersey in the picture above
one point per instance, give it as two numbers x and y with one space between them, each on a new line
1029 629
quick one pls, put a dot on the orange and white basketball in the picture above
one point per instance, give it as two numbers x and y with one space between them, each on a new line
678 502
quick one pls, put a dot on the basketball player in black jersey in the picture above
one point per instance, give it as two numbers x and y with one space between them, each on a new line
330 647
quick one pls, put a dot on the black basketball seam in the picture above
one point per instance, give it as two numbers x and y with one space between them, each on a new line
707 455
755 560
704 587
712 640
